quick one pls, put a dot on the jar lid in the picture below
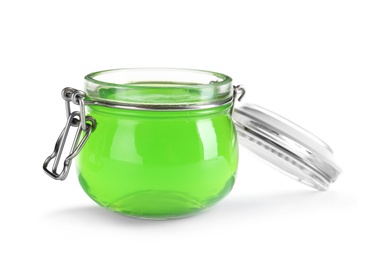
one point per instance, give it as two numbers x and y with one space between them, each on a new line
290 148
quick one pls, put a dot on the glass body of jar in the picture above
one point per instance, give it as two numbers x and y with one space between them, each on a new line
158 163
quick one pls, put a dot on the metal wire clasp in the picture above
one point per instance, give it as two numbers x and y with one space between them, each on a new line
75 119
239 92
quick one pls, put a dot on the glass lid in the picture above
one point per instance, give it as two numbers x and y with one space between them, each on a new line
290 148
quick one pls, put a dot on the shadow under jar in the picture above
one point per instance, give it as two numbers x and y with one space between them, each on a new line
165 145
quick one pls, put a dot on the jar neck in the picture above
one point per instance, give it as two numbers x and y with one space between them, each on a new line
159 89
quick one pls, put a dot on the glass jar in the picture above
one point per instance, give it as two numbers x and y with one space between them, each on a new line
169 151
162 142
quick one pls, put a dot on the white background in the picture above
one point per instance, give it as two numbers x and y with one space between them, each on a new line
310 61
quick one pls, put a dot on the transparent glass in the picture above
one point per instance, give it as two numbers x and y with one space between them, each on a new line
161 163
181 87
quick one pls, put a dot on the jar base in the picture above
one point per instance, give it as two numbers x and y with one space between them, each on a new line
157 205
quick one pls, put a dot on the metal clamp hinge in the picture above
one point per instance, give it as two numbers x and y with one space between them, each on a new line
86 124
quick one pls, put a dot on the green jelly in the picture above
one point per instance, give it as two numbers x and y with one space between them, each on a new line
159 164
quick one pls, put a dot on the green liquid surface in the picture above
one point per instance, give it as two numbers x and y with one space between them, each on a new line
159 164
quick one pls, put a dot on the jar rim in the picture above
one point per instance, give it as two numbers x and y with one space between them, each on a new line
158 88
224 78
